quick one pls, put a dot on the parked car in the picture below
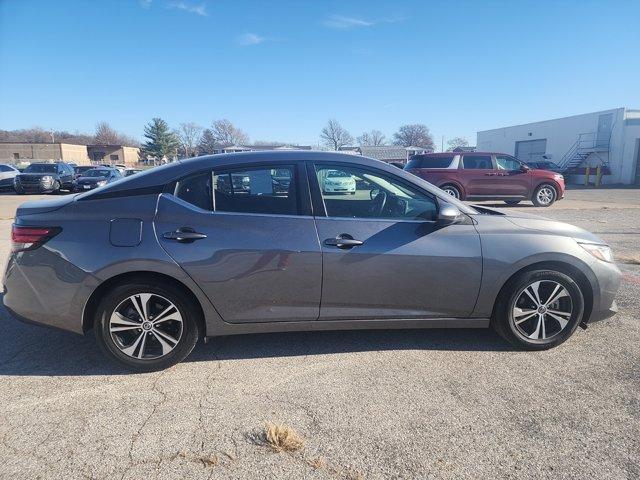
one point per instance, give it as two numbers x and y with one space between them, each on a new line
337 181
45 178
544 165
7 174
79 170
131 171
488 176
96 177
165 257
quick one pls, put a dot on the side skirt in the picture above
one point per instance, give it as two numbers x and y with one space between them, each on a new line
322 325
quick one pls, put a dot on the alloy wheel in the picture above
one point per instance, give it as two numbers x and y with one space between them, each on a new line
146 326
545 195
451 191
542 310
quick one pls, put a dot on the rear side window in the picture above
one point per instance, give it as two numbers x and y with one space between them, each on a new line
430 161
262 190
267 190
477 162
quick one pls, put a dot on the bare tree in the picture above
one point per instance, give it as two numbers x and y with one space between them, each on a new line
334 136
189 135
457 142
415 135
226 133
105 135
373 138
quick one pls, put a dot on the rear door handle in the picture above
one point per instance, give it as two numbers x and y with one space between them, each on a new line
343 241
184 235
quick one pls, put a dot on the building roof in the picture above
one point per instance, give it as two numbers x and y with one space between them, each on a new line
384 152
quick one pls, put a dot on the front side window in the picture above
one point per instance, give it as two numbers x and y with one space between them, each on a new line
477 162
355 192
507 163
267 190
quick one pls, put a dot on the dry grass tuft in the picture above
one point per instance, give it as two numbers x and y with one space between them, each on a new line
633 259
211 461
282 438
318 463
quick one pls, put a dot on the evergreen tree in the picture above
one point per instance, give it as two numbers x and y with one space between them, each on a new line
161 141
207 143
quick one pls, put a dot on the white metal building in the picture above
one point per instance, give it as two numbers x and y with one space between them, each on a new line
610 138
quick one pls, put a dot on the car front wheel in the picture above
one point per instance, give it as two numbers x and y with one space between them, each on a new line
539 309
146 327
544 196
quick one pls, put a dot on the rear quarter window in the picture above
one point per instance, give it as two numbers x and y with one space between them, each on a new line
430 161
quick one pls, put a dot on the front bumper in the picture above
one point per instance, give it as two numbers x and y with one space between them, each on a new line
603 314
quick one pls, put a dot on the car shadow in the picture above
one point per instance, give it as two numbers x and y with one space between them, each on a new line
27 350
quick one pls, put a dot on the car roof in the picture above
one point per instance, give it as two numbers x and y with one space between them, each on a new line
448 154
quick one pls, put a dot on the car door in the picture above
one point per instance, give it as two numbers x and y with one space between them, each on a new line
511 178
476 175
252 247
384 257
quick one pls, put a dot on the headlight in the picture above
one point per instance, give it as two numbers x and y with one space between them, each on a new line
47 179
601 252
101 183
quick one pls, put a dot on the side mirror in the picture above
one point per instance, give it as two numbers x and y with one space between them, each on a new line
448 214
524 168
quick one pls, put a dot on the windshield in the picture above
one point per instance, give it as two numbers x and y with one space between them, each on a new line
96 173
40 168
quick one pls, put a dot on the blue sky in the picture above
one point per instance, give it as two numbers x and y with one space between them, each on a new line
280 69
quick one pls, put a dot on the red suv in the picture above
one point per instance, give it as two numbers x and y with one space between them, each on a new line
488 176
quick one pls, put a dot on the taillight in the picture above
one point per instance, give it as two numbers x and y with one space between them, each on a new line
28 238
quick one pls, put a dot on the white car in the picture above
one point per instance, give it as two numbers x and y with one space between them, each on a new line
338 182
7 174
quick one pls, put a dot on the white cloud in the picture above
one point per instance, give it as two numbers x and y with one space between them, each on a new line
248 39
145 3
190 8
342 22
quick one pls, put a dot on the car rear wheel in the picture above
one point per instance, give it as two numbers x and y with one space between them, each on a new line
452 190
544 196
538 309
146 327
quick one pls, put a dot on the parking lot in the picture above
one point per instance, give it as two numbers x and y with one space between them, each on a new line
369 404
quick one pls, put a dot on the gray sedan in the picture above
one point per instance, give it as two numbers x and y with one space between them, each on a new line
219 245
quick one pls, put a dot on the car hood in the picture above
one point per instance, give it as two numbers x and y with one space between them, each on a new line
33 175
91 179
541 224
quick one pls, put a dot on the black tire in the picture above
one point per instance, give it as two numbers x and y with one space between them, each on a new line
56 188
536 195
19 191
512 202
503 321
114 297
452 190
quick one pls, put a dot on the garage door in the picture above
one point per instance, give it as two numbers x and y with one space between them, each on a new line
531 150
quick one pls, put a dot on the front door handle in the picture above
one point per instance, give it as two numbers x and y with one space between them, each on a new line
343 241
184 235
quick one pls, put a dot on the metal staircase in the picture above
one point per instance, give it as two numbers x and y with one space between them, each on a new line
585 145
